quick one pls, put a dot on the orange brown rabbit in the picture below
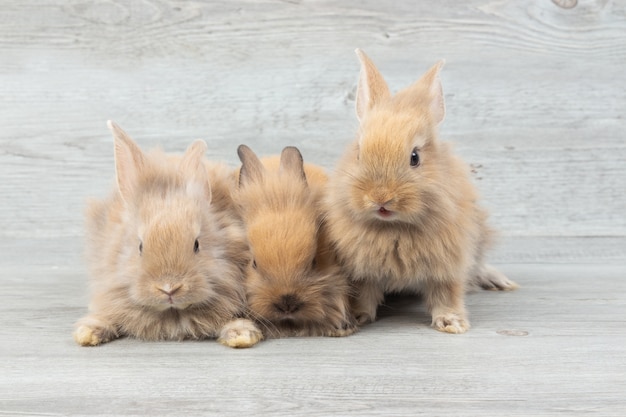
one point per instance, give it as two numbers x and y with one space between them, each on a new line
401 207
293 286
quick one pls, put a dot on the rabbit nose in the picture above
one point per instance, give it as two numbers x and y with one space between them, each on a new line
168 289
288 304
381 198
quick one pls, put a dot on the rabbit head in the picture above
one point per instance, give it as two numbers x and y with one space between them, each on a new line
168 212
396 167
291 281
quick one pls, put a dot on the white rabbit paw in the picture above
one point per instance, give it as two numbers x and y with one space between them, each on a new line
450 323
90 336
346 330
240 333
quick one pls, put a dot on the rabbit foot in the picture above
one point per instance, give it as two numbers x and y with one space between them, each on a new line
365 304
489 278
364 318
345 330
90 336
93 330
86 336
240 333
450 323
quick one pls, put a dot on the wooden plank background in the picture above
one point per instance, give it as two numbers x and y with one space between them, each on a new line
536 99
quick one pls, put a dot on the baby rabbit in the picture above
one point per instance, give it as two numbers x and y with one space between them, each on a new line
166 254
293 285
401 208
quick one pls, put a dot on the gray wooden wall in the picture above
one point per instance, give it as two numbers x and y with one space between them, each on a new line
535 93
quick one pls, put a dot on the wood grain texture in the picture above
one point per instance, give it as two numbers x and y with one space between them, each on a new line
534 95
556 346
535 103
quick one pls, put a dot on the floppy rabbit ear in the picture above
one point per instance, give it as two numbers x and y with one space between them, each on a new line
372 87
129 160
292 163
252 170
194 171
428 88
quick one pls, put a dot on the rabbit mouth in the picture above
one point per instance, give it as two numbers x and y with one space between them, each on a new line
169 305
384 213
289 323
287 319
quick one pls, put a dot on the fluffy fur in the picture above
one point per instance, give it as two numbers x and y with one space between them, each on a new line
166 252
293 285
401 208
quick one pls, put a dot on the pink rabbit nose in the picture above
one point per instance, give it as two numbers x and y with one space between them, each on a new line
168 289
288 304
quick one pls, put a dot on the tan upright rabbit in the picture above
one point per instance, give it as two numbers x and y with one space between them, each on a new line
401 208
166 253
294 286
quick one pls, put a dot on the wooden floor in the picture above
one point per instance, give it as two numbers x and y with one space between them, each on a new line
536 102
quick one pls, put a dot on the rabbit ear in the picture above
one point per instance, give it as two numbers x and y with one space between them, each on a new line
430 85
194 171
292 163
372 86
129 160
252 170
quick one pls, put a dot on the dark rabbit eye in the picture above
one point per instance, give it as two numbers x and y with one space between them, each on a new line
415 158
314 263
253 264
140 247
196 246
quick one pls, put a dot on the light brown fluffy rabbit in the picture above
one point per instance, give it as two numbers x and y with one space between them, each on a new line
294 287
166 253
401 207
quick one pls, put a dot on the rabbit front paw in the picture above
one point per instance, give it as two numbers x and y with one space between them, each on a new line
240 333
364 318
450 323
346 330
93 330
86 335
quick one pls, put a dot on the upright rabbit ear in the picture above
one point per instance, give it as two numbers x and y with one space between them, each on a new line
252 170
129 161
194 171
292 163
372 87
428 90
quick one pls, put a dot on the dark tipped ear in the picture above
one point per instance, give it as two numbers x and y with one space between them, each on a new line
194 171
292 163
252 170
129 161
372 87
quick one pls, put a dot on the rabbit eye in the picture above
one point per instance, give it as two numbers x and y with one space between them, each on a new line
254 264
415 158
140 247
314 263
196 246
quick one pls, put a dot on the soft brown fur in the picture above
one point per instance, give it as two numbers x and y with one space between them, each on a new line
398 227
170 289
293 285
